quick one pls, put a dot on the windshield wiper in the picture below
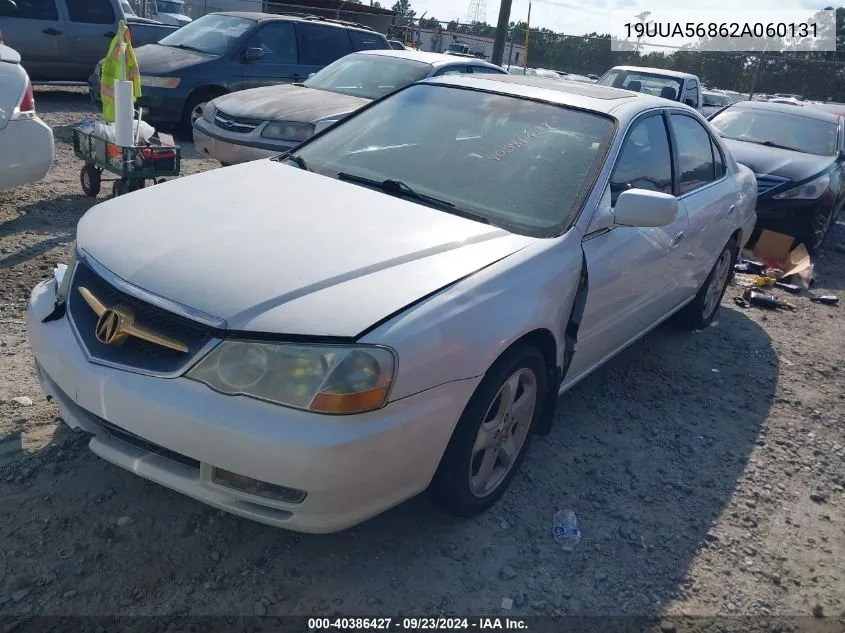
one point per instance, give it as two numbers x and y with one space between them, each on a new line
771 144
402 190
186 47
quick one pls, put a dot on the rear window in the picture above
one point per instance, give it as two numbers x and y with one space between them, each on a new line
777 129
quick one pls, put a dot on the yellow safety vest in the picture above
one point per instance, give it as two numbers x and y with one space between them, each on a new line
112 71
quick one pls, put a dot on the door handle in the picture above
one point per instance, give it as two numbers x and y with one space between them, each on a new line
109 34
677 239
51 31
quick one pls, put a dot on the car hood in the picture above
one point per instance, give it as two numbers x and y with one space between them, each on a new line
155 59
288 103
773 161
272 248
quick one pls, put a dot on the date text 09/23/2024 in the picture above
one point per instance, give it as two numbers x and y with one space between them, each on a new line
415 624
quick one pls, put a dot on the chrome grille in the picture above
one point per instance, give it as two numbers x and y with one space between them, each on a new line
231 123
765 183
133 353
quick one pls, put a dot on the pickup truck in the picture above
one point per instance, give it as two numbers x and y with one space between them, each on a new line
657 82
62 40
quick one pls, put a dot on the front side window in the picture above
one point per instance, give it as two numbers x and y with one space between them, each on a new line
90 11
695 153
278 42
31 10
778 129
369 76
517 163
320 45
645 161
212 34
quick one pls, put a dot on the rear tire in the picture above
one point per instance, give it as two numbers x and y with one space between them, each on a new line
119 188
493 434
90 179
700 313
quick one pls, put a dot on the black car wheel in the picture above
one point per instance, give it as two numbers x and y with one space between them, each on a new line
817 228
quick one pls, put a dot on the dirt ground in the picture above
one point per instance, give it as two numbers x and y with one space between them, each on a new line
707 471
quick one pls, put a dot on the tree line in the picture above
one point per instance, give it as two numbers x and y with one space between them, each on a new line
814 74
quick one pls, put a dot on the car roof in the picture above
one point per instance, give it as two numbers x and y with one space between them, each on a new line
655 71
267 17
560 92
435 59
786 108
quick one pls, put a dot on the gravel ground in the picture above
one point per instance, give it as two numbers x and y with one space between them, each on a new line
707 471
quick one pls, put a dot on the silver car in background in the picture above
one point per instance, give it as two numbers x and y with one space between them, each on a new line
263 122
393 306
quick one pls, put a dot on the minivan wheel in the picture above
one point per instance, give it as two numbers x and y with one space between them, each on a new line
493 434
700 313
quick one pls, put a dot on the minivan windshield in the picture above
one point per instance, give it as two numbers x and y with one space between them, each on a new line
777 129
513 162
369 76
212 34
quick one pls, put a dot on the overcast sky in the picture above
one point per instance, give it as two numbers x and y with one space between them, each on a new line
577 17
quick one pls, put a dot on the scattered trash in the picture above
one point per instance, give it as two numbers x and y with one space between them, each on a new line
760 299
20 314
791 288
565 529
781 261
507 604
830 300
23 401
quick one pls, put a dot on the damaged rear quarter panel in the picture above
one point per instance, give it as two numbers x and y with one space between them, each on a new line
459 332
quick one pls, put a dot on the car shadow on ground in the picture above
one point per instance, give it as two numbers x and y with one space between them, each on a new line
647 452
55 220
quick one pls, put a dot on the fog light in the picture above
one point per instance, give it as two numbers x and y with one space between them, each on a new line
255 487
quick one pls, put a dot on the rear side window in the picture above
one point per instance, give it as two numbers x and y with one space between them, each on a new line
451 70
31 10
362 41
695 153
718 161
90 11
320 45
486 70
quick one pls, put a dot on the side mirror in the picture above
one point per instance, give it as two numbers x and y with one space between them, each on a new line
643 209
253 54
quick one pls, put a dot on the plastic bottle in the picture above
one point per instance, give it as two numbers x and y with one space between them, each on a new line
565 529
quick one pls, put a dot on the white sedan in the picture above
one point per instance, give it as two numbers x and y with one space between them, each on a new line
26 142
395 305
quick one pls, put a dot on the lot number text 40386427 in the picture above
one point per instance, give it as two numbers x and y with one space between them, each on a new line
415 624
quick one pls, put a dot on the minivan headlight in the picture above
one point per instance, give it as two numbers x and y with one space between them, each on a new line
160 82
812 190
288 131
330 379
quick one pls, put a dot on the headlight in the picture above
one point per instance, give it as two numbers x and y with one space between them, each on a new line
160 82
812 190
288 131
208 111
321 378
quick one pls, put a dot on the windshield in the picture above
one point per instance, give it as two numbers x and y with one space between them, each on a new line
655 85
791 131
712 99
368 76
517 163
167 6
213 34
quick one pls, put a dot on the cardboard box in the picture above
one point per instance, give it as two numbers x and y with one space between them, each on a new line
775 249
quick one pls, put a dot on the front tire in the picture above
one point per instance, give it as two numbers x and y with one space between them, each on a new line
817 229
700 313
493 434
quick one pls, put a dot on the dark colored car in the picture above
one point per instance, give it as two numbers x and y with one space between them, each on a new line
798 154
224 52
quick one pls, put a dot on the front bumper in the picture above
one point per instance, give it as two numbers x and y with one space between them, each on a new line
791 212
163 105
351 467
232 148
33 156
